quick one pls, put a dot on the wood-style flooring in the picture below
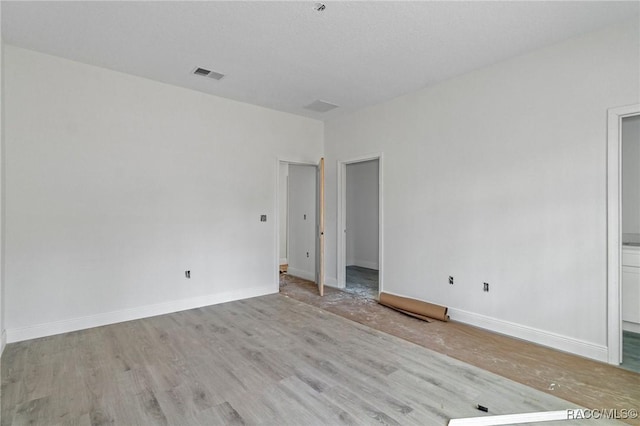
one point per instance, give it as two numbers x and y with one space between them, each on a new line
267 360
582 381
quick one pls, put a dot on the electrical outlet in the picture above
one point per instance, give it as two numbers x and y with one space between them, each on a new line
450 280
486 287
187 274
307 254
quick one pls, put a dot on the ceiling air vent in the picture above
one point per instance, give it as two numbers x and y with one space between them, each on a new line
321 106
208 73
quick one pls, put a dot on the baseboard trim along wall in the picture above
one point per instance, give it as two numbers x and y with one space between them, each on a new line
364 264
301 274
328 281
3 341
631 326
545 338
74 324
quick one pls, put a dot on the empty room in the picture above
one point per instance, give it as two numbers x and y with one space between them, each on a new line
320 213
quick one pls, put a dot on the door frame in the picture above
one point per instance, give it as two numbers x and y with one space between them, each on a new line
320 222
614 219
276 266
342 218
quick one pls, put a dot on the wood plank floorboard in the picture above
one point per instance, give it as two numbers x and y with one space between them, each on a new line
582 381
269 360
631 351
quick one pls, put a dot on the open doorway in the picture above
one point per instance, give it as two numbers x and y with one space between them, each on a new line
359 251
301 222
630 227
300 219
623 225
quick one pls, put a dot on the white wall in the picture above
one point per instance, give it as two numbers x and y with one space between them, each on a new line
116 185
302 221
283 181
631 179
3 336
362 214
499 176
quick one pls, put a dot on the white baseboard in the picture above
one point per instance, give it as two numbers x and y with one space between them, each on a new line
364 264
81 323
3 341
545 338
634 327
283 261
306 275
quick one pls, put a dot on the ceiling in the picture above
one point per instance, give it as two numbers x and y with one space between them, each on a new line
285 55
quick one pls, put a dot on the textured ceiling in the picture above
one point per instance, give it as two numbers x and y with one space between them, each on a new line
285 55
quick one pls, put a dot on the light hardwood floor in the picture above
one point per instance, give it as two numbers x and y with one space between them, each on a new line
580 380
267 360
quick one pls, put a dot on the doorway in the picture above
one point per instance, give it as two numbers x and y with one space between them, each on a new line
300 221
630 228
623 239
360 225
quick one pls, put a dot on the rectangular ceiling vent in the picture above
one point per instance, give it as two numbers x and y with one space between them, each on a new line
208 73
321 106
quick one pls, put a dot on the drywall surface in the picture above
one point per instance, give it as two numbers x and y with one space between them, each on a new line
499 176
302 221
283 181
362 214
631 179
116 185
2 310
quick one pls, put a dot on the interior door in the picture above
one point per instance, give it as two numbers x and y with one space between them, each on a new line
320 228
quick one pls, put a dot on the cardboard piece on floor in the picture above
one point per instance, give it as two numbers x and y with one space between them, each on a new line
413 307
